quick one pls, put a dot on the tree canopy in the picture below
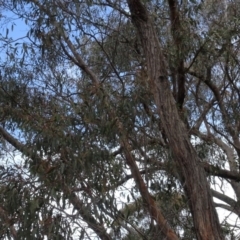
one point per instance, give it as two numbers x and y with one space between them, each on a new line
119 119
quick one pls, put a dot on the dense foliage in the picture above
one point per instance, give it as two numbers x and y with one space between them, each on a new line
89 147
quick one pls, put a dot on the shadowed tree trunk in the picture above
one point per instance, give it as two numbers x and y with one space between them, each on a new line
193 177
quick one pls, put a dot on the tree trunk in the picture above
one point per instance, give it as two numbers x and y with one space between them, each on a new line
193 176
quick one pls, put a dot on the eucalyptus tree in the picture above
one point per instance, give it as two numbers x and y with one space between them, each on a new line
125 114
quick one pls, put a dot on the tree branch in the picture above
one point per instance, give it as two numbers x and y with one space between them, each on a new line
83 211
235 207
148 201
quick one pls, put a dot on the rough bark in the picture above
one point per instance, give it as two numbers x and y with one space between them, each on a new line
193 177
177 38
